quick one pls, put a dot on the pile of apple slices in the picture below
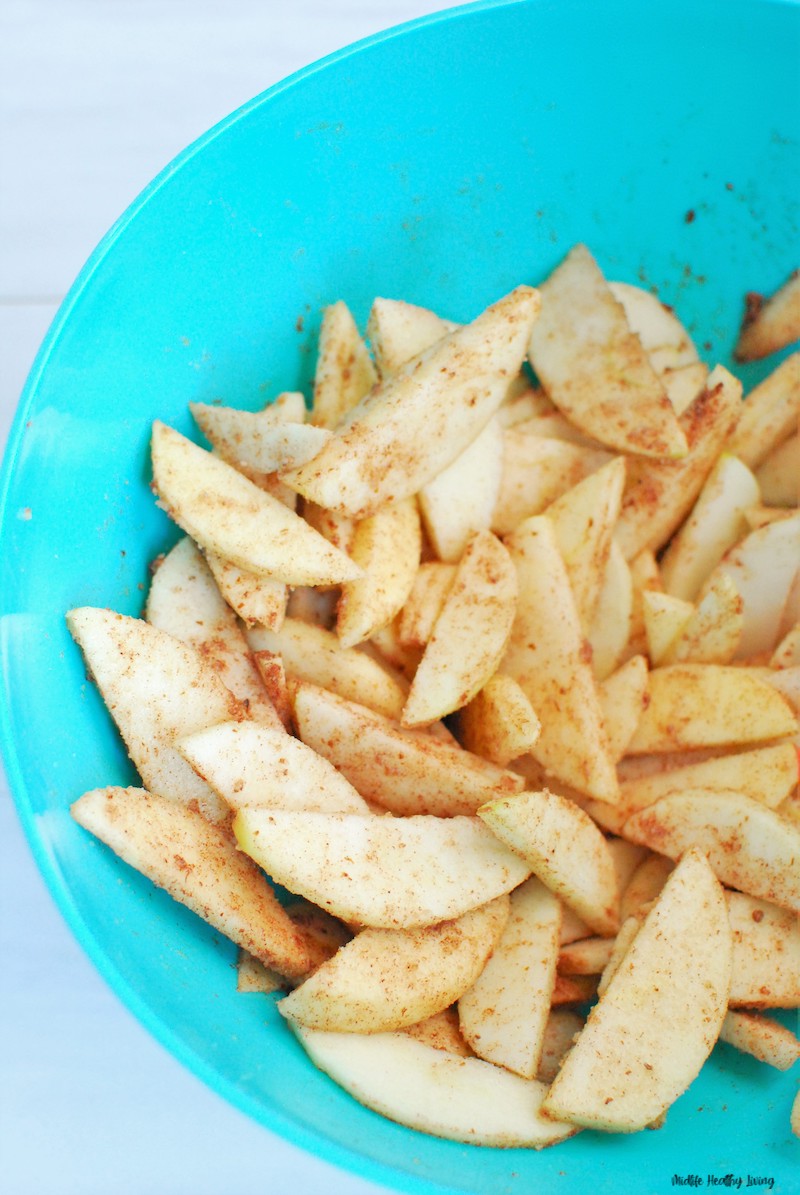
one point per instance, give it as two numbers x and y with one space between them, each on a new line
500 679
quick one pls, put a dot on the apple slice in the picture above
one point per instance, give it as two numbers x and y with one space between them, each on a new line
770 413
229 515
499 724
623 696
386 546
595 368
184 600
405 771
749 846
256 444
399 331
470 634
416 422
619 1076
766 953
537 470
503 1015
564 848
259 601
198 864
547 656
709 705
385 872
763 1037
157 689
462 498
778 475
659 494
418 616
345 372
432 1091
386 979
314 654
663 337
612 625
769 325
252 765
713 632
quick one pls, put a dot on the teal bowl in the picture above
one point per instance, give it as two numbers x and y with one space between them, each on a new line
443 163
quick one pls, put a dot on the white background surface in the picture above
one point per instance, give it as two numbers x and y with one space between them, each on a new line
96 96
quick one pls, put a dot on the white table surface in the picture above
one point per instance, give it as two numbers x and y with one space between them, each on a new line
95 97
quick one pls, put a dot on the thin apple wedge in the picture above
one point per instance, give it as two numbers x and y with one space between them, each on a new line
226 513
399 331
470 633
417 421
612 625
157 689
184 600
537 470
499 724
548 657
462 498
259 601
675 975
386 546
564 848
749 846
384 872
595 368
198 864
432 1091
767 774
713 632
778 475
418 616
623 696
659 494
252 765
770 324
503 1015
256 444
709 705
345 372
765 1038
387 979
715 523
314 654
662 335
404 771
766 953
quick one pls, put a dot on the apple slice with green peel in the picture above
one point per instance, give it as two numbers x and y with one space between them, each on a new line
503 1015
595 368
417 421
184 600
385 872
386 546
716 522
564 848
749 846
344 372
433 1091
199 865
709 705
387 979
673 980
157 689
548 658
470 633
226 513
659 494
314 654
405 771
252 765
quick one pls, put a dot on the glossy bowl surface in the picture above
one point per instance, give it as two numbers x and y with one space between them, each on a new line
443 163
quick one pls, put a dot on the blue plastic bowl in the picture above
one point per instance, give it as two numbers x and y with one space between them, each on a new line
443 163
